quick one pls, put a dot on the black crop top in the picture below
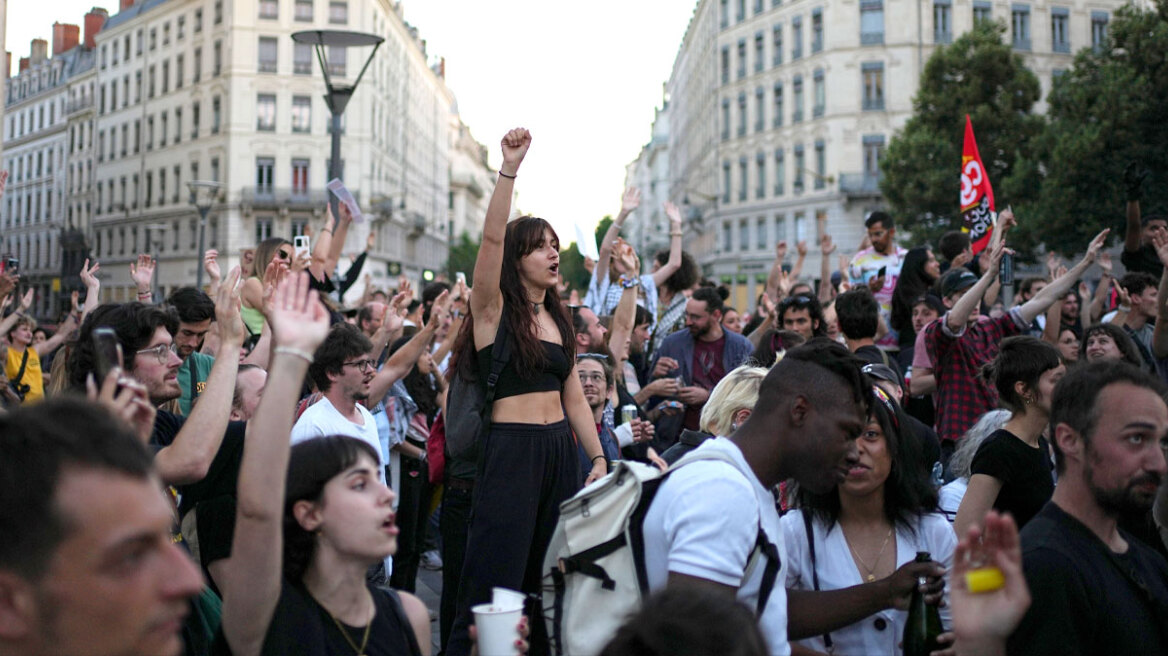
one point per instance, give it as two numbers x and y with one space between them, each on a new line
551 379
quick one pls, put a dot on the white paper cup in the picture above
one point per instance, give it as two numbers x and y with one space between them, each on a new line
498 629
505 598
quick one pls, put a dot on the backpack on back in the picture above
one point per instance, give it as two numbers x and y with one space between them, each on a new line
468 402
596 559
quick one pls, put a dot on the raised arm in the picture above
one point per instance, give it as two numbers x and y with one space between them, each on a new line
251 587
772 285
187 459
22 306
1100 297
1133 180
826 248
965 306
800 259
1160 335
400 363
1061 285
625 314
337 244
92 288
142 275
49 345
629 202
674 263
487 301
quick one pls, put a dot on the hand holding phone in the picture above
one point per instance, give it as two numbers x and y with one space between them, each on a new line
302 245
107 352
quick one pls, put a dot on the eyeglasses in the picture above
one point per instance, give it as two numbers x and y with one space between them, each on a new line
798 300
361 364
283 255
160 352
594 377
594 356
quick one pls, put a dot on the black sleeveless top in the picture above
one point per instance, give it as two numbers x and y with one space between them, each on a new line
302 627
512 383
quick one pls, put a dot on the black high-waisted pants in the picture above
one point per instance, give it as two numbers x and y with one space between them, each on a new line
527 471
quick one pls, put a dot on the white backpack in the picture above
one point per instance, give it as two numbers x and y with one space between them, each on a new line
596 559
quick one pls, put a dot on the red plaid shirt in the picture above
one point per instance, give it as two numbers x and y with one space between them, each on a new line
961 396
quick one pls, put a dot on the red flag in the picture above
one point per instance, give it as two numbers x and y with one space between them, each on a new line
977 196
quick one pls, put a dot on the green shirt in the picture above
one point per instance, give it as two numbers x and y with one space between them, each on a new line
200 364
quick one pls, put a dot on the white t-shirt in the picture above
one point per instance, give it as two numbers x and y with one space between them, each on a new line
321 419
837 570
704 523
950 496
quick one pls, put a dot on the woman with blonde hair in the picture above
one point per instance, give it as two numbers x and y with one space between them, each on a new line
730 403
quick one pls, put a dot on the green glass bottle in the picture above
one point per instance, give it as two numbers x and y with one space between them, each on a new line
924 621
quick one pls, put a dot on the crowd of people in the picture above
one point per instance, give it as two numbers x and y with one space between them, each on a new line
254 468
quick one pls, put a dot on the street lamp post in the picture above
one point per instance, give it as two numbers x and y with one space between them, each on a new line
339 93
203 195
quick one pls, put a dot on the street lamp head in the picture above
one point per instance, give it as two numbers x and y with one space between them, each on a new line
337 38
338 93
204 193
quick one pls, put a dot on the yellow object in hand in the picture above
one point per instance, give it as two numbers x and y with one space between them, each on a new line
984 579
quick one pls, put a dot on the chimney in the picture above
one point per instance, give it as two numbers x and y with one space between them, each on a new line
125 4
23 65
38 51
7 64
65 37
94 21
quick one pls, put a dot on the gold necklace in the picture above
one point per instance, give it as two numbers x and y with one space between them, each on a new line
871 570
360 651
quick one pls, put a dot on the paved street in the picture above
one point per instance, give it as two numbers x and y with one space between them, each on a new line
429 590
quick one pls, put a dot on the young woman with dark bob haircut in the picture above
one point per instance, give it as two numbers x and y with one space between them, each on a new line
528 459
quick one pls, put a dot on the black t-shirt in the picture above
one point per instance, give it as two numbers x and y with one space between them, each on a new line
1025 473
876 355
1087 599
303 627
1144 259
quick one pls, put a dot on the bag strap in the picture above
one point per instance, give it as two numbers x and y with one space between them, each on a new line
814 566
23 364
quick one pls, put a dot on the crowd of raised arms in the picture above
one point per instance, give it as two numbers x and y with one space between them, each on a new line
884 458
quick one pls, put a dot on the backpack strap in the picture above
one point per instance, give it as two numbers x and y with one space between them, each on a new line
500 354
23 364
814 567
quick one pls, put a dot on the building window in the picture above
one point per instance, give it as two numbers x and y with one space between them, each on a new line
179 63
263 228
150 133
741 114
1099 20
816 30
181 27
177 185
743 234
149 188
153 40
216 115
761 242
269 9
195 121
166 34
302 59
165 76
198 61
163 131
727 233
337 60
178 124
725 119
198 21
942 21
820 94
741 58
873 151
760 175
871 22
820 165
740 10
873 78
777 44
218 11
796 37
303 11
742 181
150 87
1060 40
267 54
725 182
338 12
799 167
725 64
724 13
218 59
759 109
266 112
780 178
214 169
778 105
797 85
1020 26
302 114
300 176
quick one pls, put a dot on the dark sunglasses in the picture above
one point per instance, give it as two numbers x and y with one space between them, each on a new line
798 300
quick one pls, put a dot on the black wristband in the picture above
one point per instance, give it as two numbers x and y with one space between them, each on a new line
506 176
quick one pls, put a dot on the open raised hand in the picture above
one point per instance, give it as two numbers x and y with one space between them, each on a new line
87 276
1159 242
26 300
672 213
273 276
515 144
143 273
626 258
227 304
781 250
211 265
1095 246
630 200
826 246
989 616
1104 261
1121 294
801 248
370 239
439 310
1052 264
299 320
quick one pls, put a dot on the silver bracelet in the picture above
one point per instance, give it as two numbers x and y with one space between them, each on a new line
288 350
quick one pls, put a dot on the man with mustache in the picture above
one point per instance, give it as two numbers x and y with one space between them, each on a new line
1096 589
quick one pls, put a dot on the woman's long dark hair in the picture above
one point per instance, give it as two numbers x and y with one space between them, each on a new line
913 282
908 492
312 464
418 384
524 235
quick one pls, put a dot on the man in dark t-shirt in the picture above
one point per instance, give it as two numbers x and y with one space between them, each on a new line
1138 252
1096 589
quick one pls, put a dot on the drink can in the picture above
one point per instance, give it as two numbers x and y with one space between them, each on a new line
628 413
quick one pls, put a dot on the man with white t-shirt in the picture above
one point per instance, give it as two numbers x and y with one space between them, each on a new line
343 369
703 524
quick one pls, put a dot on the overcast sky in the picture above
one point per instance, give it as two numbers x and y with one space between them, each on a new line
584 79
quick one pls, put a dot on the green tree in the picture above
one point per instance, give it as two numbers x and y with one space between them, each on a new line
572 269
463 253
602 228
978 75
1104 113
